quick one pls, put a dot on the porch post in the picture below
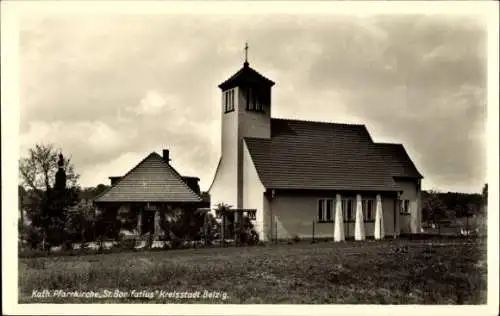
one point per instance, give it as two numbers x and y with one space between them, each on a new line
398 216
414 217
338 233
139 222
359 226
379 219
157 226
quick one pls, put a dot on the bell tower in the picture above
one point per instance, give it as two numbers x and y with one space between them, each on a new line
245 112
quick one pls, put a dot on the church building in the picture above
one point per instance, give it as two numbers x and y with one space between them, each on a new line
305 178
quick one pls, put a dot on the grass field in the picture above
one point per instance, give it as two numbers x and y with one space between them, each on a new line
368 272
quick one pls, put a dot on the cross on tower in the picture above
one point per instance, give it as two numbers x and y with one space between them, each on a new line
246 54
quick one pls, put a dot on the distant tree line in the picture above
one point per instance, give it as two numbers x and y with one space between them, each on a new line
446 206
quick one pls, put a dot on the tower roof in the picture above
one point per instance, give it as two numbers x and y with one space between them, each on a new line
245 76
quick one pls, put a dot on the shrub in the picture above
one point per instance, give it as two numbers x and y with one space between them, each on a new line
211 229
127 239
127 243
245 232
33 236
178 243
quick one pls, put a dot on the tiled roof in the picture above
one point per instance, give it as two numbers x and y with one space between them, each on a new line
152 180
246 75
401 164
320 156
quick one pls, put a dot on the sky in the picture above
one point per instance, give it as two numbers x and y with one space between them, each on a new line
109 89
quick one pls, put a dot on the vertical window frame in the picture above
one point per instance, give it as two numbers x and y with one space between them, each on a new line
229 101
325 210
368 210
347 210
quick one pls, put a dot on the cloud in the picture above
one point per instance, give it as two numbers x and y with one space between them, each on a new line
84 141
153 103
105 85
97 135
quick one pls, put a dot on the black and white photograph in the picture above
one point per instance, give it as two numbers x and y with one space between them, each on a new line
245 153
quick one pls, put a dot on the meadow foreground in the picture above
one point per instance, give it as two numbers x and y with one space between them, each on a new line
368 272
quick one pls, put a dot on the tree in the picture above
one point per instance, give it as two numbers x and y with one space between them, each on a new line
52 183
38 170
484 194
243 229
187 223
81 221
21 192
223 211
433 208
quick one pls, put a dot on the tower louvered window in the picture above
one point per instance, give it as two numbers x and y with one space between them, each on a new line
229 101
254 101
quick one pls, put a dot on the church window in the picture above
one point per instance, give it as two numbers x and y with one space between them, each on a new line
325 210
404 206
368 210
229 101
348 210
254 101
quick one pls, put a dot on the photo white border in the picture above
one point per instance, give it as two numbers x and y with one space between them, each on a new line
10 13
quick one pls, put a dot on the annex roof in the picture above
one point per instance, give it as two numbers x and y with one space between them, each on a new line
152 180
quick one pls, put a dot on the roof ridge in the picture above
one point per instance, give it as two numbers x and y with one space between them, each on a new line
316 122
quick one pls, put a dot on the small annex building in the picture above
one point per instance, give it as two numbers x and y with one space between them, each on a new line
149 193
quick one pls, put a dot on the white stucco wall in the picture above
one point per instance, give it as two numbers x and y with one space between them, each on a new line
410 223
224 186
295 215
253 124
253 192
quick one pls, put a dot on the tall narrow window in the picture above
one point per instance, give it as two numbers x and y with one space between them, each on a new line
329 204
320 210
404 206
325 213
368 210
229 100
347 210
